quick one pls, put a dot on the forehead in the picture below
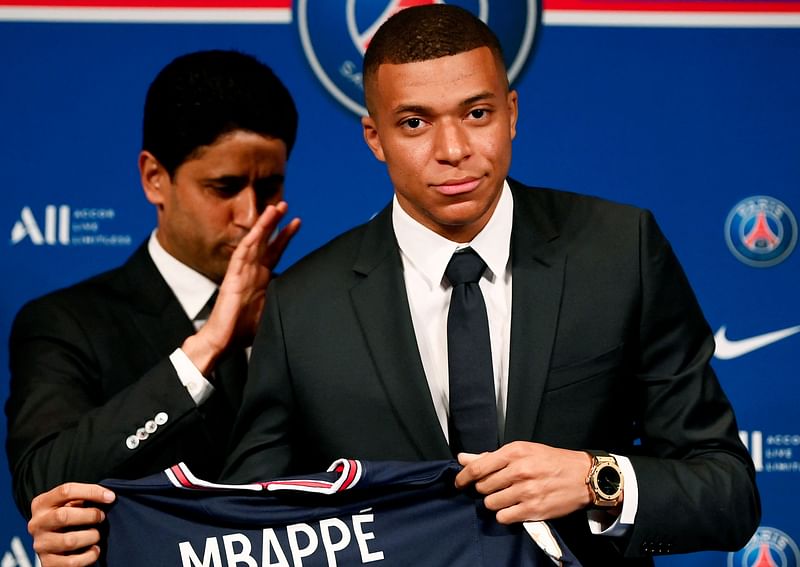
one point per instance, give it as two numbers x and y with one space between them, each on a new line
445 80
239 149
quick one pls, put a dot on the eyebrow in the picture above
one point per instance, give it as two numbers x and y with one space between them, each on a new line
226 178
425 110
478 98
240 178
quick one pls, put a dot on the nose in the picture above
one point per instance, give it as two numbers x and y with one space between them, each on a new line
452 142
245 207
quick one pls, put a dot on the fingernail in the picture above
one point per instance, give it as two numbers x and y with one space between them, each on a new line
108 496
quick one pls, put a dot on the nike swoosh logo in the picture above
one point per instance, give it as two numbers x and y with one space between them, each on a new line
728 349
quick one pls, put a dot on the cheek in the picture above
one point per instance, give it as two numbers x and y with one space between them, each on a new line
495 146
406 160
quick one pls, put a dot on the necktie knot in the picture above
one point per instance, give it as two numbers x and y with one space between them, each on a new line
465 266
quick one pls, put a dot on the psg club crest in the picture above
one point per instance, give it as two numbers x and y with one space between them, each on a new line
335 35
769 547
761 231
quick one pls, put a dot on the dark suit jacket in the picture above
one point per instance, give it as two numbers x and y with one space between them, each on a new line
609 350
89 367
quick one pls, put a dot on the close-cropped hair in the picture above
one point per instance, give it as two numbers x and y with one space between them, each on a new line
201 96
422 33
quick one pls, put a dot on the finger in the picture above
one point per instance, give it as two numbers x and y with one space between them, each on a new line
510 495
69 492
520 512
265 224
87 557
281 241
481 467
64 517
466 458
271 217
68 542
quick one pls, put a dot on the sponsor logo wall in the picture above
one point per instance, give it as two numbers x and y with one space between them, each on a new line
689 109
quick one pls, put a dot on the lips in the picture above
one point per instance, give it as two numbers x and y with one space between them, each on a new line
458 186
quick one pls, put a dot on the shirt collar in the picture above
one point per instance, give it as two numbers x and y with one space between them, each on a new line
430 253
191 288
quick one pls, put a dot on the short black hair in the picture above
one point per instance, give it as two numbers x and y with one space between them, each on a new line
201 96
422 33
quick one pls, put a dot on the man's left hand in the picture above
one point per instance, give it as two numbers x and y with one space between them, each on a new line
526 481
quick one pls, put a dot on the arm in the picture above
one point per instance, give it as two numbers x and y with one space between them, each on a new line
69 416
696 480
64 423
696 487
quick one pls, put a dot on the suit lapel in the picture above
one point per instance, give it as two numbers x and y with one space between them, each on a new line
156 311
538 268
381 306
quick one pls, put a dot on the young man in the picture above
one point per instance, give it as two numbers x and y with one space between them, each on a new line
111 377
595 341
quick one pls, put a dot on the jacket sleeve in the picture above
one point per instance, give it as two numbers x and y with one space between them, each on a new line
64 423
696 480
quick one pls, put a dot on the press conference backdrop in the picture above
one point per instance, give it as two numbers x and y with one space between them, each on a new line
691 109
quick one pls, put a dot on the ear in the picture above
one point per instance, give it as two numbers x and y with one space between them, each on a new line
155 179
372 138
513 112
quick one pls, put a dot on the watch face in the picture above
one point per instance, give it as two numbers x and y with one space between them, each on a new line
608 480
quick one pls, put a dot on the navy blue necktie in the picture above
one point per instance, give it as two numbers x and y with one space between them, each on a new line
473 409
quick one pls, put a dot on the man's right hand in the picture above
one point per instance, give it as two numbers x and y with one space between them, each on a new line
63 524
237 311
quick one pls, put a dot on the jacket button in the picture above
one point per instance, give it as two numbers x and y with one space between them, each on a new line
150 426
161 418
132 442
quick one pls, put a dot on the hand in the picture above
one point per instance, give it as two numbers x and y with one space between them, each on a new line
528 481
62 525
240 301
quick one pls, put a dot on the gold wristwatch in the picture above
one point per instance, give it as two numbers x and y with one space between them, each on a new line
604 480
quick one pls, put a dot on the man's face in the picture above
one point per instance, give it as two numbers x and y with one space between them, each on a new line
444 128
214 197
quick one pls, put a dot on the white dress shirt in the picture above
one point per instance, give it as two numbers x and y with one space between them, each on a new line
425 256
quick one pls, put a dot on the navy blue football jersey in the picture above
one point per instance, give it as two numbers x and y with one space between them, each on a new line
390 514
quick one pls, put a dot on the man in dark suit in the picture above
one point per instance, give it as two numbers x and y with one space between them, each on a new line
111 377
607 415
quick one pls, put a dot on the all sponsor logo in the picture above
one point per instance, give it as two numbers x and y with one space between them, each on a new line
761 231
773 452
63 225
769 547
335 36
17 556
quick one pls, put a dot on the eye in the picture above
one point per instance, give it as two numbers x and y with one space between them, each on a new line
268 190
412 123
478 113
226 190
